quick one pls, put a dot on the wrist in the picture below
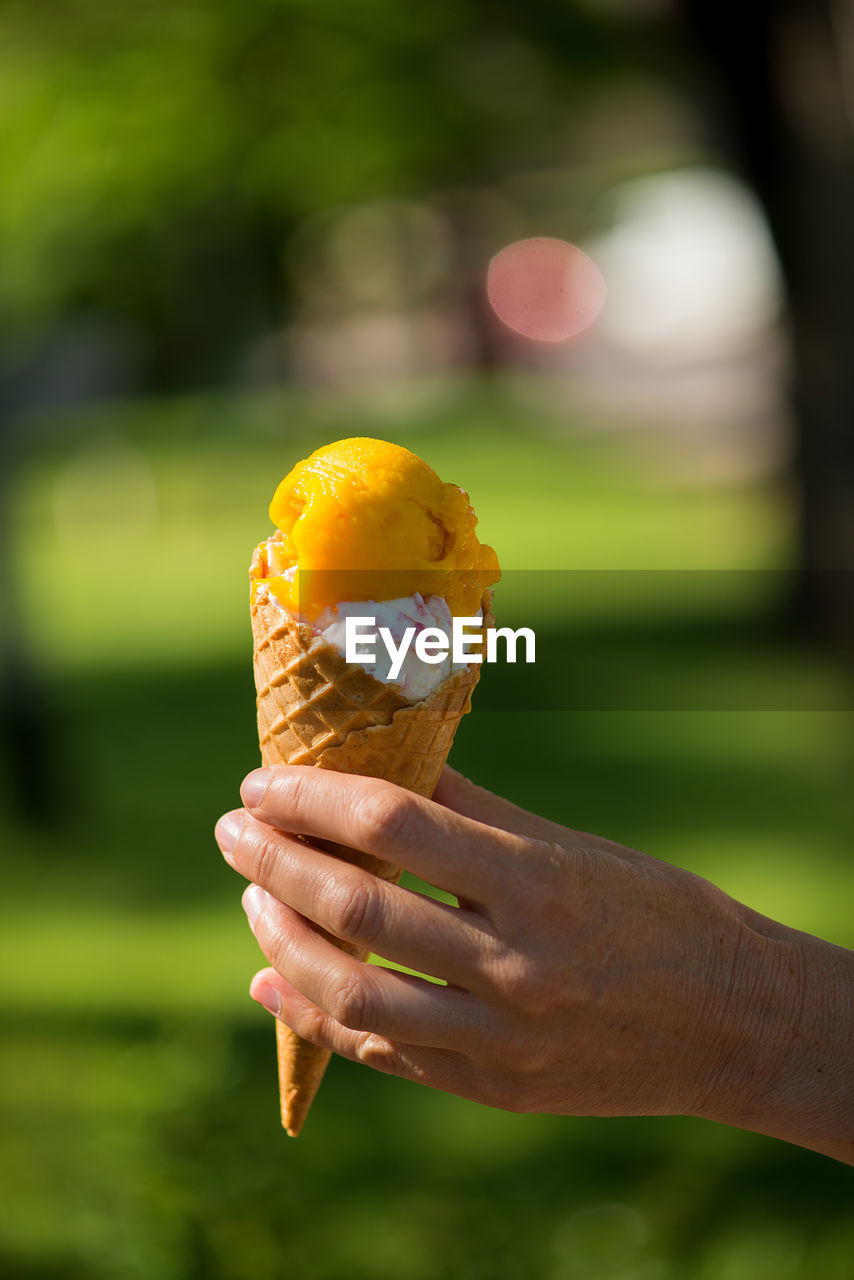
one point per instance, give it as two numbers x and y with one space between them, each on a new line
786 1067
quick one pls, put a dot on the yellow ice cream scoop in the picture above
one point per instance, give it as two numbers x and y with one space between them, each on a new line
363 519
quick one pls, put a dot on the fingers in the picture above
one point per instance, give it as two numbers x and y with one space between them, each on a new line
466 798
355 906
439 1068
359 996
471 801
444 848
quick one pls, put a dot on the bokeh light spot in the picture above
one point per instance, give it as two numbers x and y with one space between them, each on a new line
545 289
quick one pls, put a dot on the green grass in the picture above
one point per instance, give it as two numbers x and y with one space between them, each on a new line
669 710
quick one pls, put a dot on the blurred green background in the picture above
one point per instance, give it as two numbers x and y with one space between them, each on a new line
230 233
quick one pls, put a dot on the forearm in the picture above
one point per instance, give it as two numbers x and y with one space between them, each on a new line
789 1070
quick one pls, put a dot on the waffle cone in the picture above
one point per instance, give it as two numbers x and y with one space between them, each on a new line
314 708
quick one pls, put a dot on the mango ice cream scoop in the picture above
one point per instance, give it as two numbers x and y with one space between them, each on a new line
365 520
362 527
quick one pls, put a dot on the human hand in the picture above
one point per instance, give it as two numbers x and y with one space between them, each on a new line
580 977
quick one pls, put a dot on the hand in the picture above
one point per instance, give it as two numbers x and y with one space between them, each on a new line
579 977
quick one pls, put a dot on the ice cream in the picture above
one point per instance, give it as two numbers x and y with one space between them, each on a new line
364 529
362 520
415 679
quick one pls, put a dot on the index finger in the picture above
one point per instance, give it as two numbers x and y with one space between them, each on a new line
447 850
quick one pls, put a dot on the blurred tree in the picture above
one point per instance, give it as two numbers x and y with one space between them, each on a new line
155 156
789 87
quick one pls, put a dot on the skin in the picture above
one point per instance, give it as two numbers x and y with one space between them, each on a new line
577 977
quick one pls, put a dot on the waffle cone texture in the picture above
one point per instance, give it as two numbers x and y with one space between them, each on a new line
314 708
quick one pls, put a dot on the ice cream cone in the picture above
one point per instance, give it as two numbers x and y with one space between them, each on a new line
316 708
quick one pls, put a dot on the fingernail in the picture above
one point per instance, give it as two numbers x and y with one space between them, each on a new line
227 830
254 901
254 786
267 995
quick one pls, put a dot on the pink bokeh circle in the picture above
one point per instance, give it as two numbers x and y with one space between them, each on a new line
545 289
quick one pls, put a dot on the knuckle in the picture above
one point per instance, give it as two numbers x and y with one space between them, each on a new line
549 869
381 1054
285 792
558 869
312 1026
287 795
529 1059
279 950
385 817
352 1004
263 854
521 986
354 912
